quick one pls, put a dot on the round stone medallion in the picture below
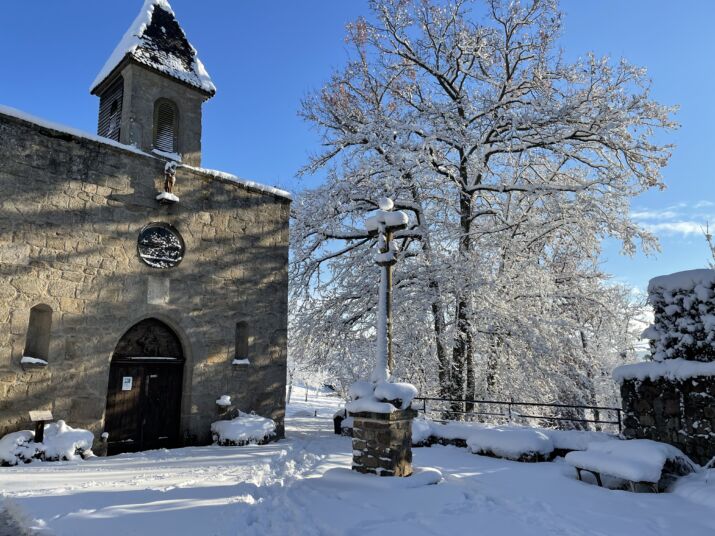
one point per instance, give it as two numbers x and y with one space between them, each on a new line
160 245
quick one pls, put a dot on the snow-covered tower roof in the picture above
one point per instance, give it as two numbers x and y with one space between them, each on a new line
156 40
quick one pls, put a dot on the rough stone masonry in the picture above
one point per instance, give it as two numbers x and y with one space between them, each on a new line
121 314
382 442
672 398
71 210
681 413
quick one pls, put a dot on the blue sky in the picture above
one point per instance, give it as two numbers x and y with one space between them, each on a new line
265 56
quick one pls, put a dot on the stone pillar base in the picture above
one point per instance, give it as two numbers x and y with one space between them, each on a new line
382 442
679 412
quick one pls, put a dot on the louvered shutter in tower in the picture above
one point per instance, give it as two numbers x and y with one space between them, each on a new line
165 127
110 111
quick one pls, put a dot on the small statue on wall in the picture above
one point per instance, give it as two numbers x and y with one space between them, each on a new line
168 197
169 177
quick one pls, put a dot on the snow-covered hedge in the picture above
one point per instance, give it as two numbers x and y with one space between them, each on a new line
520 444
512 440
684 307
243 430
61 442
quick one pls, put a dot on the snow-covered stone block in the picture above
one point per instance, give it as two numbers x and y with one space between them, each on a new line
671 398
382 443
663 402
421 431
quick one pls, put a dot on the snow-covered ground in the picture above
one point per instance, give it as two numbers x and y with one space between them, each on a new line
302 486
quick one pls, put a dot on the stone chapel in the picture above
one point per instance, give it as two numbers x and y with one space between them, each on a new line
137 288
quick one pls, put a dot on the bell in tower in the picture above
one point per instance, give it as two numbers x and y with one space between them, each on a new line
153 86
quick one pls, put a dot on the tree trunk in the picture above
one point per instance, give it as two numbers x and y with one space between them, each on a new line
593 396
463 333
442 357
493 366
471 388
443 369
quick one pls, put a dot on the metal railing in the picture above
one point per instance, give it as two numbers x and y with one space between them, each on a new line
511 411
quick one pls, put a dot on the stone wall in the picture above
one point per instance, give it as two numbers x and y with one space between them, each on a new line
681 413
70 213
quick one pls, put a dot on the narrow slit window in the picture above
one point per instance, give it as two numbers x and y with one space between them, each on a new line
241 354
165 126
37 343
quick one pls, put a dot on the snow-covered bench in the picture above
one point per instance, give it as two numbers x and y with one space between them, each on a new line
637 461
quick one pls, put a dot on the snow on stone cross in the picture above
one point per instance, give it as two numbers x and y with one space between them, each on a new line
383 224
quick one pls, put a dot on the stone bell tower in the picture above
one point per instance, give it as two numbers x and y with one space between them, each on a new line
153 86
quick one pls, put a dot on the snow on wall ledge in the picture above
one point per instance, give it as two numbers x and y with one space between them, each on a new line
19 114
672 369
57 127
249 185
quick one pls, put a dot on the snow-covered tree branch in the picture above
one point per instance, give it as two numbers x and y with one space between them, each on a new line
513 166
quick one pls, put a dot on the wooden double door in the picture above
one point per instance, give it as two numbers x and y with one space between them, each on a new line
144 391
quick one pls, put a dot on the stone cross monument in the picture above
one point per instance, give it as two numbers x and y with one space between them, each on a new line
383 225
382 417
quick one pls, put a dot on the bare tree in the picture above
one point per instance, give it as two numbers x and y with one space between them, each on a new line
513 165
711 245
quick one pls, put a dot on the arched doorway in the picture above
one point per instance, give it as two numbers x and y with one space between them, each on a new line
144 391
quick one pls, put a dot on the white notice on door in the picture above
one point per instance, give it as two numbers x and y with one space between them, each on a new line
126 383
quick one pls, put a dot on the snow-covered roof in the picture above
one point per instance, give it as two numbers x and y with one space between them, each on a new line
248 185
156 40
